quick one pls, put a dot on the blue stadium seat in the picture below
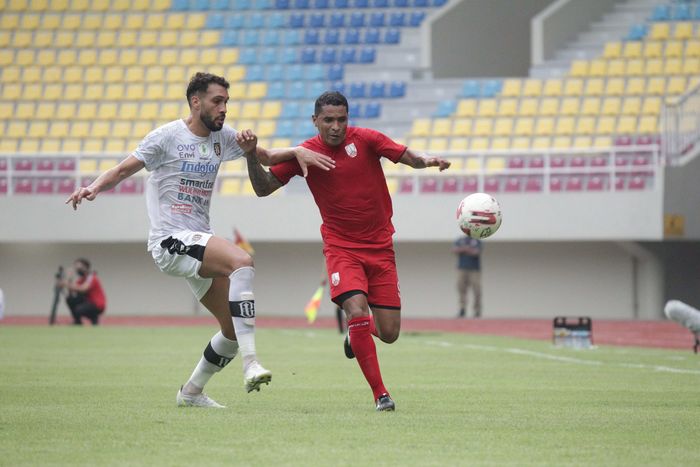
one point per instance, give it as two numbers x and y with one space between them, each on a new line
397 19
392 36
401 3
317 20
297 90
352 37
681 12
215 21
201 5
275 73
357 90
372 36
296 20
439 3
306 129
338 86
368 55
180 5
336 72
341 4
255 73
696 15
377 19
292 37
354 110
421 3
271 38
289 55
235 21
316 72
219 5
285 128
397 89
361 3
294 73
256 21
276 20
268 56
357 20
416 18
381 3
315 89
372 110
637 32
312 37
251 38
276 90
248 57
307 109
445 108
230 37
491 88
471 88
332 37
301 4
329 55
308 55
661 13
377 90
241 5
348 55
290 110
282 4
337 20
264 5
321 4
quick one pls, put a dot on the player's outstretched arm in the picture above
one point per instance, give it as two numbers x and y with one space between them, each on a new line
305 157
263 181
108 180
421 161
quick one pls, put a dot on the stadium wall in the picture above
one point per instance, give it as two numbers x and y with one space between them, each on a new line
481 38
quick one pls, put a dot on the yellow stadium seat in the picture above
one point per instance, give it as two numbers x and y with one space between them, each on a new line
266 128
462 127
635 86
41 39
487 107
528 107
25 57
91 22
129 58
73 74
250 110
174 92
195 21
458 144
79 129
46 108
71 21
569 106
156 21
503 127
66 110
520 143
585 125
616 67
456 163
594 87
50 21
209 39
651 106
549 106
134 92
31 74
692 48
579 68
483 126
632 106
87 165
75 5
626 125
271 109
237 91
606 125
524 126
602 142
9 21
683 30
544 126
141 128
656 86
573 87
32 91
114 91
51 74
149 57
500 143
29 145
507 107
552 87
421 127
93 92
233 110
676 85
612 50
561 142
38 129
169 39
615 87
93 74
564 126
659 31
50 145
418 144
442 127
673 49
100 129
235 73
121 129
673 66
185 38
228 56
114 74
473 164
115 145
176 21
11 91
632 49
437 144
155 73
209 56
10 74
134 21
648 125
38 5
170 57
466 108
53 92
652 49
128 110
155 91
16 129
532 88
582 142
479 144
107 111
71 145
125 39
106 164
64 39
6 35
24 110
691 66
170 110
112 22
654 66
22 39
541 142
511 88
598 68
257 90
149 110
231 186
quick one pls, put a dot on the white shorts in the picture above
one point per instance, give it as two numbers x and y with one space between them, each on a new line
181 255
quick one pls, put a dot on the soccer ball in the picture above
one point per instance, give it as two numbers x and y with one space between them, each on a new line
479 215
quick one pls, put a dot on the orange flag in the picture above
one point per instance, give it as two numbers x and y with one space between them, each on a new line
240 241
311 309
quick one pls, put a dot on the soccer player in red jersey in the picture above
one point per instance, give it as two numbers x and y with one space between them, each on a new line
356 210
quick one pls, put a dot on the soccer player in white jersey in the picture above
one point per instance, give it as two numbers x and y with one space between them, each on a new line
183 157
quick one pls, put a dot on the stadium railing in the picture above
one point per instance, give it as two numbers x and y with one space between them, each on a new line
681 125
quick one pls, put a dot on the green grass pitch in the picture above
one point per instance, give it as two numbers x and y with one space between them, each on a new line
106 396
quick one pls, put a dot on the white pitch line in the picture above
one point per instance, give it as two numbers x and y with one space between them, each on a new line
579 361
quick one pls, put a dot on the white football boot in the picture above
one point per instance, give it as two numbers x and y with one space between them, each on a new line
196 400
255 375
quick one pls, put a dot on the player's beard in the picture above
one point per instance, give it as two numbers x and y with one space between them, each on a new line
211 123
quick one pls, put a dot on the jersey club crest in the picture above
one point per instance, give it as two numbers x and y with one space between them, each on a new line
351 150
217 149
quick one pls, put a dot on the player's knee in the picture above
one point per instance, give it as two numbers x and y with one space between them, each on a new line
390 336
356 312
238 261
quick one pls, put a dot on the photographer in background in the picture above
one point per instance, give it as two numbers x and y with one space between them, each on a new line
84 294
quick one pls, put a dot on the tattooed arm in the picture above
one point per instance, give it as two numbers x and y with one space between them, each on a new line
264 182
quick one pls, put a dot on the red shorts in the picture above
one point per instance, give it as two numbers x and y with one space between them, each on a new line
372 271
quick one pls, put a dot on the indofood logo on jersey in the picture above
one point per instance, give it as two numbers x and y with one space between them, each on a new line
198 167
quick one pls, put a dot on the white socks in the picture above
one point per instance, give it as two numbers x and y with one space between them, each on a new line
242 306
218 353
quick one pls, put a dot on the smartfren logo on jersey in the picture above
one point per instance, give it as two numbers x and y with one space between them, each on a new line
199 167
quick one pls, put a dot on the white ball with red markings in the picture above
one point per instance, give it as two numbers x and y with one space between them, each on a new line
479 215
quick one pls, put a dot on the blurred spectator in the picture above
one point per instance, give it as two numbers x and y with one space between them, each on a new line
468 251
84 294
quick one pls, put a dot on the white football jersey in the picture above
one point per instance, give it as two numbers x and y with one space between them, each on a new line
183 169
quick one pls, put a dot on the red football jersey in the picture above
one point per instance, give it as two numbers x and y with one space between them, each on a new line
95 294
353 197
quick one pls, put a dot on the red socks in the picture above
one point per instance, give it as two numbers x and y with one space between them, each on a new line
366 353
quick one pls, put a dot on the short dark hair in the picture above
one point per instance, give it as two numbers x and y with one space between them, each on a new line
330 98
200 83
84 262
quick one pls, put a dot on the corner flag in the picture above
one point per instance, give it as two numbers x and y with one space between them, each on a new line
240 241
314 304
